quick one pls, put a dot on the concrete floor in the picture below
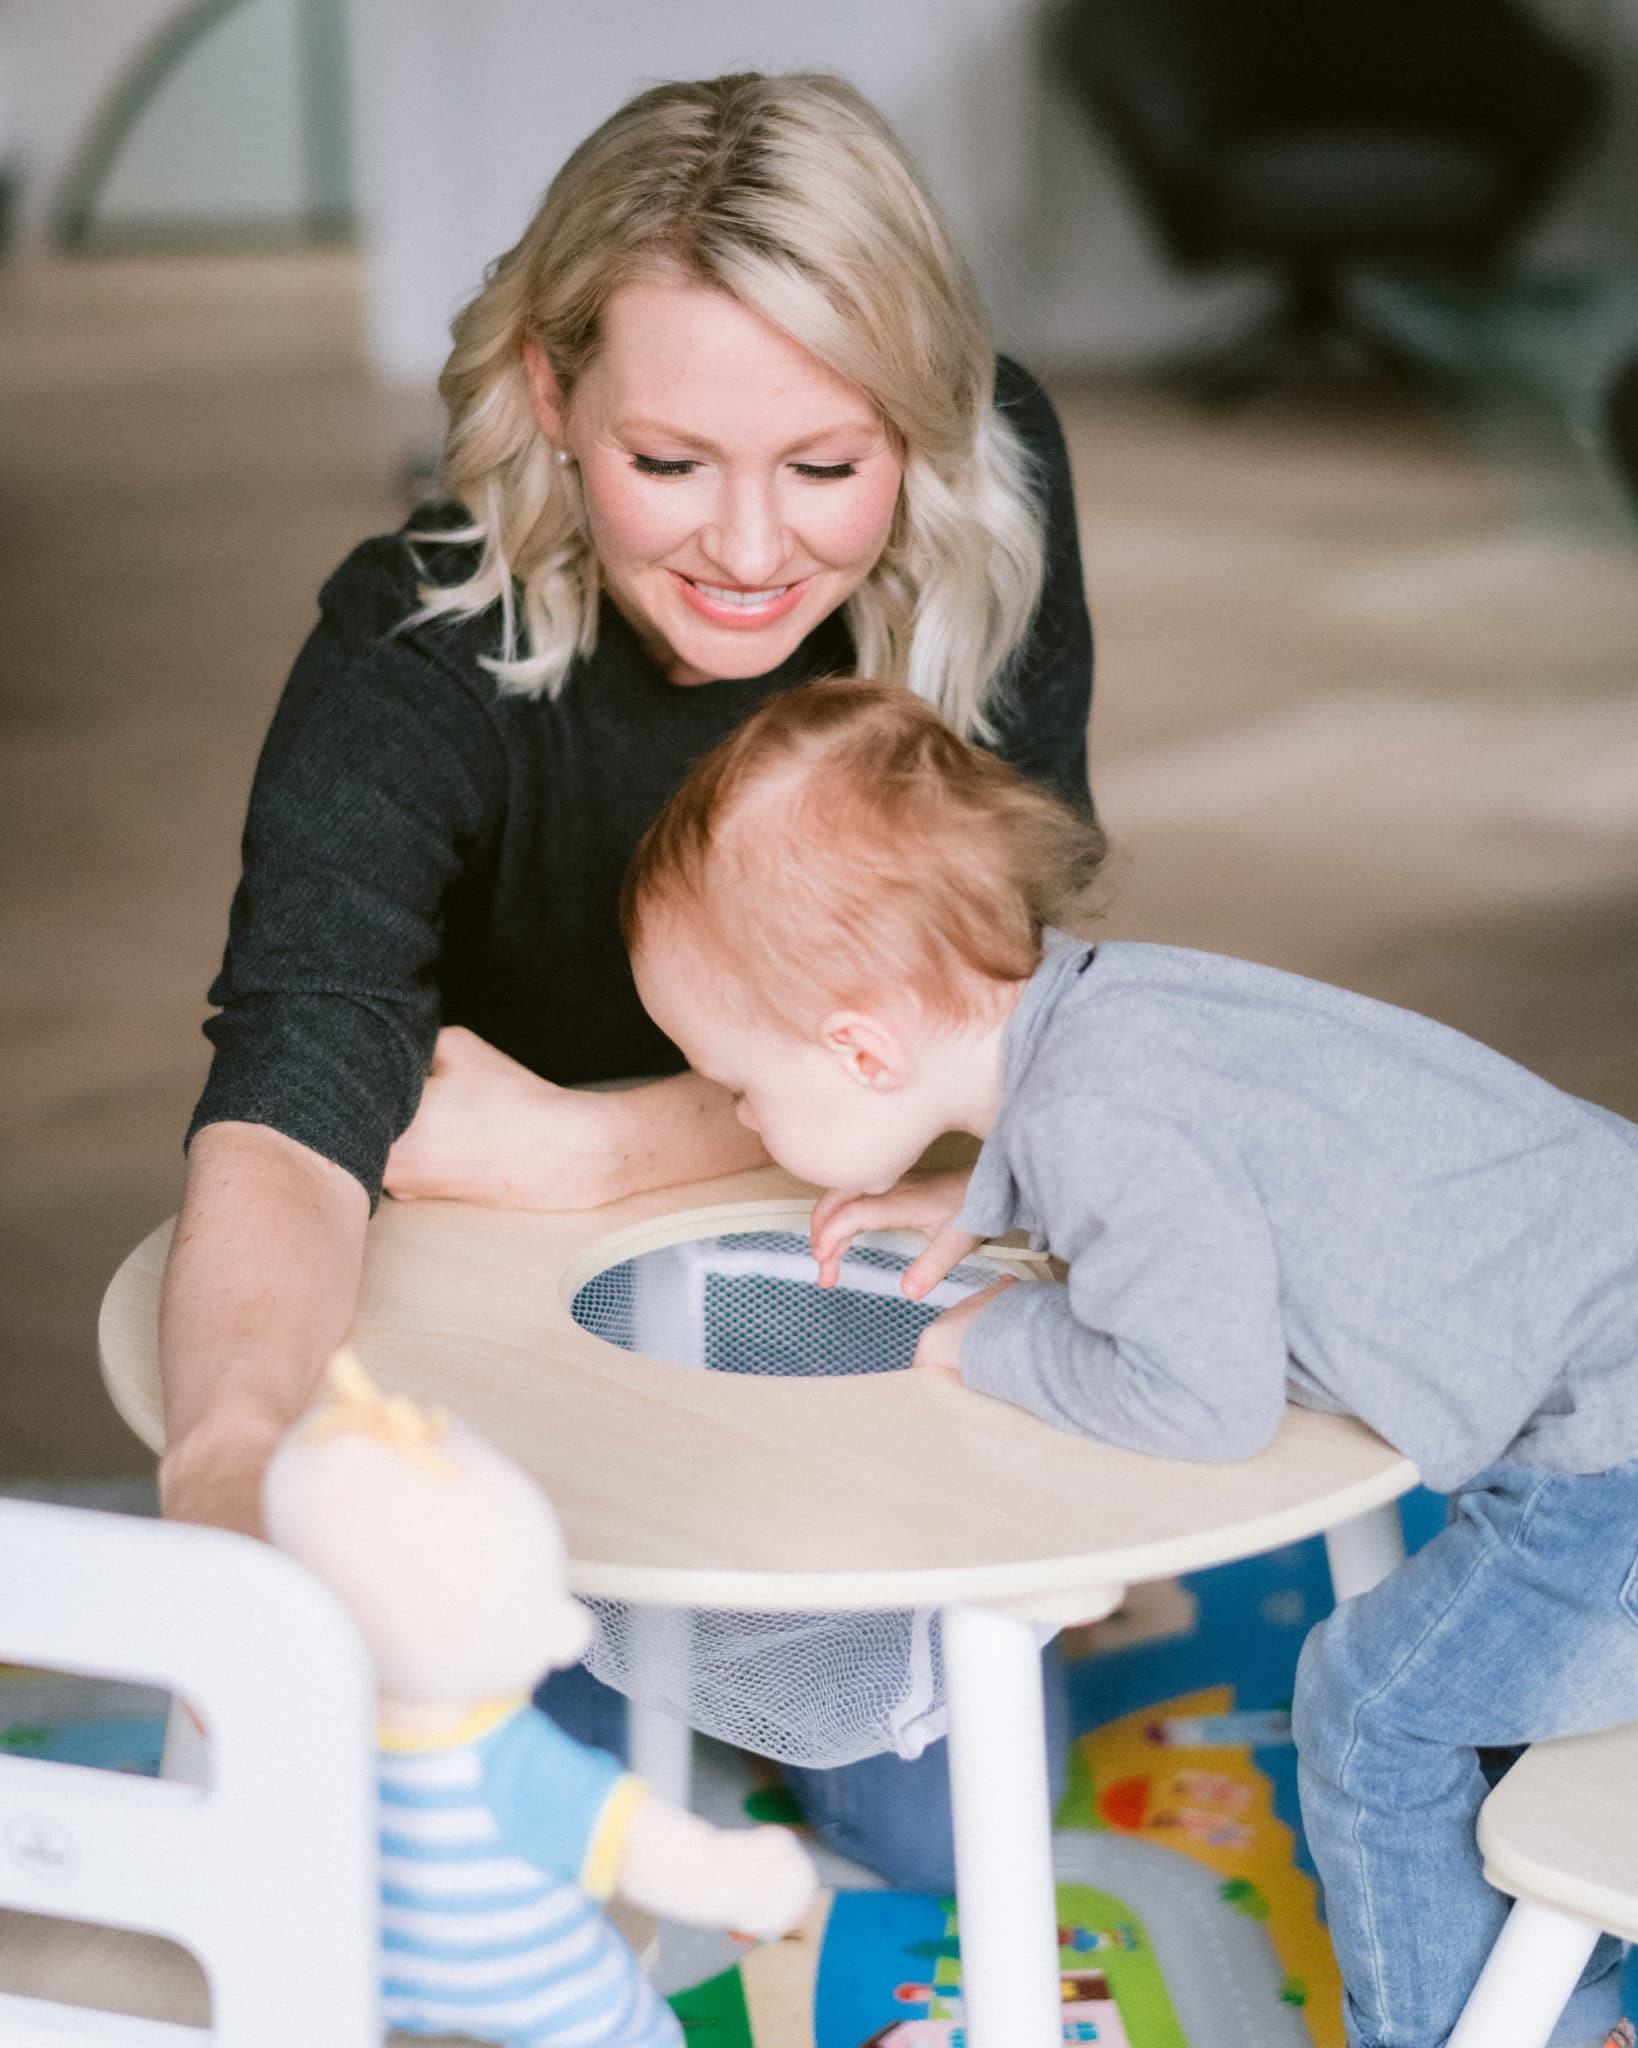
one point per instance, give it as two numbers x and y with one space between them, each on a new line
1367 707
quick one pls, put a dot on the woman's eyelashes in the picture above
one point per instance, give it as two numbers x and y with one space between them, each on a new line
815 472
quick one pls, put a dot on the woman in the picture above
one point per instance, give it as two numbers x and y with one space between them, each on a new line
725 420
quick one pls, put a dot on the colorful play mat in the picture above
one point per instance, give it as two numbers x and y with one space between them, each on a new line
1188 1911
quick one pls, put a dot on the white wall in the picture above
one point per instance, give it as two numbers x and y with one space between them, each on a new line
463 109
58 59
222 140
461 116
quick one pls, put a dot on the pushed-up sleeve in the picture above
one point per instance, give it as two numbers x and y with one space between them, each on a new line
380 779
1167 1336
1041 713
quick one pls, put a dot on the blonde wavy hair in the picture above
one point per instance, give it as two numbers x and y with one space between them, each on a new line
792 195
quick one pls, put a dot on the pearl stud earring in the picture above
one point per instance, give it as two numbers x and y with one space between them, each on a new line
564 458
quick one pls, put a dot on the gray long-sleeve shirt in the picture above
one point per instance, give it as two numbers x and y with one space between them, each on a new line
1269 1189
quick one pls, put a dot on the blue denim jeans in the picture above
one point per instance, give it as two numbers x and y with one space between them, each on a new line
891 1816
1519 1620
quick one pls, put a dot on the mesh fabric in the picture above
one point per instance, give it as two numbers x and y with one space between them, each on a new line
813 1689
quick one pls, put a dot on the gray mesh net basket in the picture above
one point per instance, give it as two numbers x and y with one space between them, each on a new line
802 1688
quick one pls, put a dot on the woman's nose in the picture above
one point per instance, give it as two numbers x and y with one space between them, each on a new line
749 543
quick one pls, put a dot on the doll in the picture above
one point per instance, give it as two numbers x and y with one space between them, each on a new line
498 1831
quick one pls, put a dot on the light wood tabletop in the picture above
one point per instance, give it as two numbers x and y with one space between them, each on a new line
705 1489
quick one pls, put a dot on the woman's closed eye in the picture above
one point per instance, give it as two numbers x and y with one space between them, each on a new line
814 472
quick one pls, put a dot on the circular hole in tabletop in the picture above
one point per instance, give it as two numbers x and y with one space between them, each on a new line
749 1301
804 1688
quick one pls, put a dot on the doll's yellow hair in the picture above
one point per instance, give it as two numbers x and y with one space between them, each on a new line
358 1407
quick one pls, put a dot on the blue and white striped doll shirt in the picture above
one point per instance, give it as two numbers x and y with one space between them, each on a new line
496 1838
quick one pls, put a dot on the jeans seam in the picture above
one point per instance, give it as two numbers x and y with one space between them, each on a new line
1627 1598
1528 1513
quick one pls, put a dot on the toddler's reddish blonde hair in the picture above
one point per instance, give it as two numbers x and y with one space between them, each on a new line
844 847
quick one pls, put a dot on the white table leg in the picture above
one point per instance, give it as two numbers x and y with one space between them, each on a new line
660 1750
1526 1984
1003 1830
1361 1553
660 1745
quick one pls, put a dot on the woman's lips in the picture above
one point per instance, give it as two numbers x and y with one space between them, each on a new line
741 610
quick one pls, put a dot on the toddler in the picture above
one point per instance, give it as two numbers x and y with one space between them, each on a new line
1263 1189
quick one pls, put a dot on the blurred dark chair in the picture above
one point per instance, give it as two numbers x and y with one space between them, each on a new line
1322 135
1621 416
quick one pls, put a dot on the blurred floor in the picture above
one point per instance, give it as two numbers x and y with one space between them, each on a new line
1367 706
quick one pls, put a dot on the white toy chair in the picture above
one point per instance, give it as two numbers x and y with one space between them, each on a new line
1559 1835
267 1872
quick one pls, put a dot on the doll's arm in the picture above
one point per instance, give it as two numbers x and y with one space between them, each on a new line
565 1806
755 1880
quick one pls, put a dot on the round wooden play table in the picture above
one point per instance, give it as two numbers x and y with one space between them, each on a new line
686 1488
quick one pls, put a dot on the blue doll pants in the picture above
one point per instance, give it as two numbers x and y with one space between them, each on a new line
891 1816
1518 1621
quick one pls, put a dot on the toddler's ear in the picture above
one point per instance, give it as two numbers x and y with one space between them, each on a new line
868 1049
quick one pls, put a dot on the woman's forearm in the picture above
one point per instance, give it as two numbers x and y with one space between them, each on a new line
259 1288
488 1130
676 1130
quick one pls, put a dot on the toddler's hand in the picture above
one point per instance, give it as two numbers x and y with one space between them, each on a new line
939 1346
929 1203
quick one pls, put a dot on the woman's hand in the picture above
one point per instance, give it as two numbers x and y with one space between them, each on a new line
259 1289
487 1130
939 1347
490 1131
214 1473
929 1203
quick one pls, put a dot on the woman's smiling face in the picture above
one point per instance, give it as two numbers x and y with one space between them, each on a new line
737 490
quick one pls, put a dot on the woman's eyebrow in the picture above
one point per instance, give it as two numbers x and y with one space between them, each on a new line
659 430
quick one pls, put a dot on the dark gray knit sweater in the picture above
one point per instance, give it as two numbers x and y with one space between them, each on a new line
424 850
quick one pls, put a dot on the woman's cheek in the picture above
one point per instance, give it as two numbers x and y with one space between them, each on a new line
860 529
631 521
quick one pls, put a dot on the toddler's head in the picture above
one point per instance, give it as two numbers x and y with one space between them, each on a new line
838 903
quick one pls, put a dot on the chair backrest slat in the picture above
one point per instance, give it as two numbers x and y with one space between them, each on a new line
267 1874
